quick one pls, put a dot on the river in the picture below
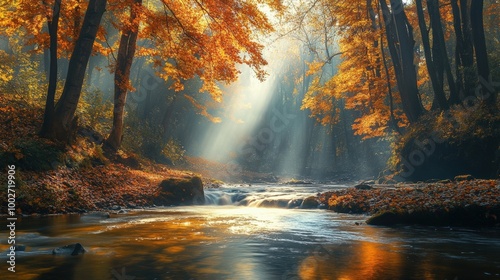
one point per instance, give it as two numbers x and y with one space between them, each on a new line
240 235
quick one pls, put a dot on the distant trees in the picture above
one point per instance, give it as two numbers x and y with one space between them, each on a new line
412 67
363 26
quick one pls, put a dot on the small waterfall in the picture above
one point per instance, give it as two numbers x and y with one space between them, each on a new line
223 198
265 196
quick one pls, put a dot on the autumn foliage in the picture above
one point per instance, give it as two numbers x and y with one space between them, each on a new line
462 203
365 77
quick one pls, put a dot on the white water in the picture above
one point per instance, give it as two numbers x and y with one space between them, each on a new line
265 195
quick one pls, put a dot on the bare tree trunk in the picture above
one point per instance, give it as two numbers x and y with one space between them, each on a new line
400 39
53 24
436 81
64 122
394 123
126 52
465 56
438 40
483 69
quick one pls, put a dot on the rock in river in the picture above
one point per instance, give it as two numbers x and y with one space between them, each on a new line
181 191
310 203
71 249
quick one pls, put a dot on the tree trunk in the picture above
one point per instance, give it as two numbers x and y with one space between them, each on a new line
64 122
470 76
439 101
53 24
126 52
400 40
394 123
483 69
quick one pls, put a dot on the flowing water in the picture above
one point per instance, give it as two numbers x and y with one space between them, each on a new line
249 232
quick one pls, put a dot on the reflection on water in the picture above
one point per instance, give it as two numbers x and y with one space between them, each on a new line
236 242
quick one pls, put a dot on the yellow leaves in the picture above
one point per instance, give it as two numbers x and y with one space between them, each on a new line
6 69
314 67
202 110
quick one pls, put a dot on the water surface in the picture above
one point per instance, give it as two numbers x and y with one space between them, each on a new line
235 237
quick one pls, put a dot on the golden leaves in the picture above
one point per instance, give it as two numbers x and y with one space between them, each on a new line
421 197
360 81
202 110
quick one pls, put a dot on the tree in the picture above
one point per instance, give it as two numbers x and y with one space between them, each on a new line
361 81
126 53
204 39
53 23
63 124
401 47
483 69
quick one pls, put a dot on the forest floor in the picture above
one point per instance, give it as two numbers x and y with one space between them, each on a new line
461 202
51 179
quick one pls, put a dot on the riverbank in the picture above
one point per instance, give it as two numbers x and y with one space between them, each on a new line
101 188
448 203
51 178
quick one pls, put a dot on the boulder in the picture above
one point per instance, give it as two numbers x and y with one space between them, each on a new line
69 250
181 191
280 203
323 206
310 203
385 218
294 203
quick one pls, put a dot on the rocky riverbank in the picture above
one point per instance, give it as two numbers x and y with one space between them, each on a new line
461 202
106 187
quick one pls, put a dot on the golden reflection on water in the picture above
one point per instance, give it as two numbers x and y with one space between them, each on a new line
360 260
229 243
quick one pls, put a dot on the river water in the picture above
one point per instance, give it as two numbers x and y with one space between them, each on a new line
247 232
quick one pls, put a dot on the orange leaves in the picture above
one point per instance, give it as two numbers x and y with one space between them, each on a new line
361 81
421 197
202 110
314 67
206 39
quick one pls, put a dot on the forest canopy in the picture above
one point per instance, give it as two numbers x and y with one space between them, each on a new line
422 76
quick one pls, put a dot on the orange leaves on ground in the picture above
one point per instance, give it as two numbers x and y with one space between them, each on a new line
416 197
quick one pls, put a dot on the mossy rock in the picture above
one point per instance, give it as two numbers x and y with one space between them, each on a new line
181 191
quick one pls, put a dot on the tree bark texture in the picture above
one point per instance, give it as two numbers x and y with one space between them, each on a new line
126 53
